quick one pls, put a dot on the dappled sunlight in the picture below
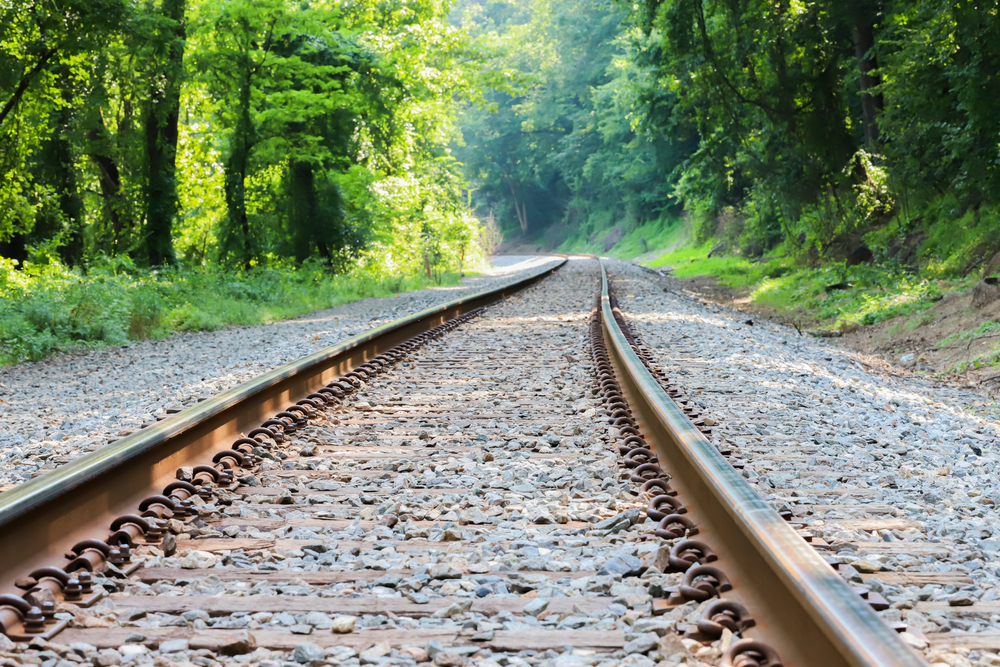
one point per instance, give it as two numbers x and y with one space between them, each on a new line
723 348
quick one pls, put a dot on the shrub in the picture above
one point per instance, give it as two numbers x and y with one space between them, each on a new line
45 308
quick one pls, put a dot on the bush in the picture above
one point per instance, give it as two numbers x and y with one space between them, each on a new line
45 308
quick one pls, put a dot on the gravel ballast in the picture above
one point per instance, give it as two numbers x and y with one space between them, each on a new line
55 410
890 469
892 472
464 506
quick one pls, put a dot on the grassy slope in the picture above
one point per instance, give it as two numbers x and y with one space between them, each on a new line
903 303
46 309
650 238
875 295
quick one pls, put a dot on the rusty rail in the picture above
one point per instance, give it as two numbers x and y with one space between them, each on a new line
802 608
64 510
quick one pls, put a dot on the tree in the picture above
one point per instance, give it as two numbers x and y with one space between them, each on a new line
236 43
161 129
40 71
560 143
320 126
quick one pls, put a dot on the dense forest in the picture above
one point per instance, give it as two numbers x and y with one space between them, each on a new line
831 129
236 132
246 133
583 142
240 145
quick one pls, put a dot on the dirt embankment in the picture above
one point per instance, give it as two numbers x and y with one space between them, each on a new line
956 340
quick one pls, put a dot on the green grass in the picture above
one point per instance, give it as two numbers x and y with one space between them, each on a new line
649 237
662 233
876 294
983 329
991 358
46 309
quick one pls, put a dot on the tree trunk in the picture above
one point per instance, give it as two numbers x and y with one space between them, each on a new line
64 169
519 209
236 174
23 84
522 215
305 223
871 104
110 181
16 247
162 122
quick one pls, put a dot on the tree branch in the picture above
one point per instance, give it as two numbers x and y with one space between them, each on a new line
24 83
710 53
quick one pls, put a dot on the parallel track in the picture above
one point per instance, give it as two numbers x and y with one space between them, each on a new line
459 494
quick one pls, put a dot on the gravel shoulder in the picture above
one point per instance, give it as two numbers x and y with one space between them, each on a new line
954 339
55 410
897 474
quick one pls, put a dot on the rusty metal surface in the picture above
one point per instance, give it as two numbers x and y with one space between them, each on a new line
803 608
41 519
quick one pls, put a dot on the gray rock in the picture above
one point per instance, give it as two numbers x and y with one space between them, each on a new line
308 653
80 648
535 607
432 648
168 545
644 643
449 659
658 625
616 609
454 609
318 620
173 646
624 565
444 571
107 657
388 580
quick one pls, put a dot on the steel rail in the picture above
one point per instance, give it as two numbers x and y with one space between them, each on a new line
802 607
42 518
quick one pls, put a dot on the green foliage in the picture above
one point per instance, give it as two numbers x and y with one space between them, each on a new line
652 237
558 146
825 123
990 358
43 49
267 134
984 329
48 308
875 294
940 61
236 133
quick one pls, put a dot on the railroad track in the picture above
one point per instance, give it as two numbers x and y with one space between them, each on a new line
500 480
869 501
